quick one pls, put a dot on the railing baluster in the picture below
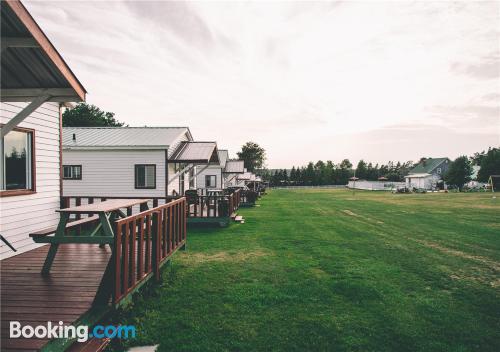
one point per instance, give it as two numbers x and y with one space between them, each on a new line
117 250
140 250
133 254
148 243
126 254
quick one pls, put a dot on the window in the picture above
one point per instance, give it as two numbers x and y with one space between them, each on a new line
145 176
210 181
17 162
72 172
438 171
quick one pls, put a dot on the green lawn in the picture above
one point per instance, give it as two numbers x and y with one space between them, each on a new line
323 270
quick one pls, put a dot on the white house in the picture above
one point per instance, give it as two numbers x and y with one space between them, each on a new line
35 82
422 181
211 176
233 169
132 161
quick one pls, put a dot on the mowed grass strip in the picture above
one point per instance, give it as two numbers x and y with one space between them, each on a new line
332 270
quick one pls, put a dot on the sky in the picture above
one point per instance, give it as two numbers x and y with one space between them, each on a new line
377 81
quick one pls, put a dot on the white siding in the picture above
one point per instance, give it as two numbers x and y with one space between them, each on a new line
211 170
20 215
112 172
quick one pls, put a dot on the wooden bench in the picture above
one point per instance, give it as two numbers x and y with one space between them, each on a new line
50 230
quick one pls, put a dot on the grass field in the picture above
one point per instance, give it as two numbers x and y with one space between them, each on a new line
322 270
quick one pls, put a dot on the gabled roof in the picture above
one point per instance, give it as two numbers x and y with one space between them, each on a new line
122 137
428 165
223 156
234 167
196 152
31 66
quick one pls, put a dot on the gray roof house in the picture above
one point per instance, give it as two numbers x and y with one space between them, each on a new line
427 173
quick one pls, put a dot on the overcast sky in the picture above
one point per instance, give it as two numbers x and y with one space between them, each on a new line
374 80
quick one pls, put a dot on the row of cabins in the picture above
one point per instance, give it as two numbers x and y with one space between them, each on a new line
46 169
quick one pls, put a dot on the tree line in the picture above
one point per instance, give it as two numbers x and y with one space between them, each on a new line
329 173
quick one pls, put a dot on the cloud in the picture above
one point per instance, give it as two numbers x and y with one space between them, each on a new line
487 68
304 79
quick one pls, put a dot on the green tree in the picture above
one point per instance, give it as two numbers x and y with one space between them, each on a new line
85 115
459 172
490 165
253 155
344 172
362 170
293 175
309 174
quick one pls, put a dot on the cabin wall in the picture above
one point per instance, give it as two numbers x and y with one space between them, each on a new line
20 215
112 172
211 170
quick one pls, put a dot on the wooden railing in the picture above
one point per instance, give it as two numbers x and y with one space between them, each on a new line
143 242
204 206
213 206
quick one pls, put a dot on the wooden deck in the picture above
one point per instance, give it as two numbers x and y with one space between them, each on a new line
64 295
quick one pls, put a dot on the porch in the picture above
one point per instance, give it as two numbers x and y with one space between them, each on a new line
65 295
86 282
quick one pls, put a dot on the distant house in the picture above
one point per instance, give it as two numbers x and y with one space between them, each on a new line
211 176
428 173
132 161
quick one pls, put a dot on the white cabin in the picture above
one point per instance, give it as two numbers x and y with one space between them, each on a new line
132 161
233 169
211 176
35 83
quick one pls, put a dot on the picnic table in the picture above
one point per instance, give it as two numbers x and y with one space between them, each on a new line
103 214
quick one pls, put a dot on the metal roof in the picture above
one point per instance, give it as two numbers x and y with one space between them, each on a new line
196 152
428 165
30 65
121 137
234 167
246 176
223 156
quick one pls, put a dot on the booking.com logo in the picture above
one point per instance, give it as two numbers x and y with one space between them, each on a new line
80 333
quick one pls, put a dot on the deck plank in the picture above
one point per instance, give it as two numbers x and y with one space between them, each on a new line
65 294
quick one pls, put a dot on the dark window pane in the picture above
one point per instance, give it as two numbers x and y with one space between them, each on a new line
141 176
17 154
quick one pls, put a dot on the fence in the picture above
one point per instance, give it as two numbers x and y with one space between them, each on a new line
309 187
143 242
375 185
